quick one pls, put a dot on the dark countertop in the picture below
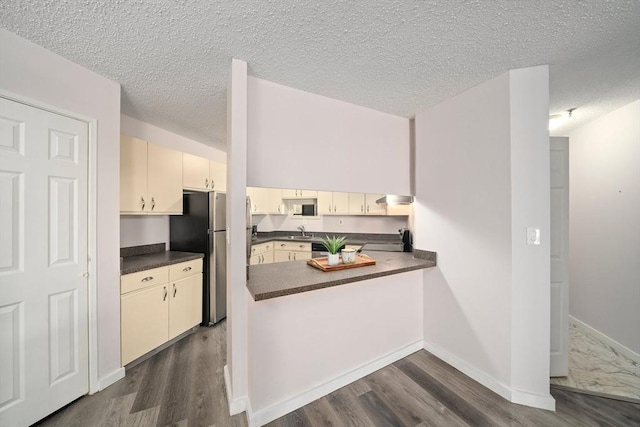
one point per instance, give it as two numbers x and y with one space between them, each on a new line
287 278
352 238
133 264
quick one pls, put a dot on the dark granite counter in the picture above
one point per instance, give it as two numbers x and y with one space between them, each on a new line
352 238
287 278
135 263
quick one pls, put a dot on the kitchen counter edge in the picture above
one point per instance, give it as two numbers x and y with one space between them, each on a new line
134 264
288 278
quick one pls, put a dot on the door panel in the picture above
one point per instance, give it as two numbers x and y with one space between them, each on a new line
559 240
43 260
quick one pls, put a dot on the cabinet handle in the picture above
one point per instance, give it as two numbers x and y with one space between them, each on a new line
186 269
294 256
361 208
206 183
212 184
253 249
175 290
283 244
289 256
367 208
262 261
334 208
302 246
153 203
164 298
146 279
143 203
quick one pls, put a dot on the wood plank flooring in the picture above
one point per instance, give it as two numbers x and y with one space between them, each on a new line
183 386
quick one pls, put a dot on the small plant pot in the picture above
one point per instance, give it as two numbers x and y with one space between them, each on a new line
333 259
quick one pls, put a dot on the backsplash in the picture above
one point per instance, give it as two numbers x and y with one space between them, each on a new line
330 223
143 230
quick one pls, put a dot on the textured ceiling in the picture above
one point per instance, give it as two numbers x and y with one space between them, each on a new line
172 57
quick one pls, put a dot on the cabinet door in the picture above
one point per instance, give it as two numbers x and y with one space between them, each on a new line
259 199
290 194
255 260
185 304
356 203
144 321
325 202
275 205
340 203
164 180
308 194
133 175
195 172
267 257
372 207
218 176
297 256
282 256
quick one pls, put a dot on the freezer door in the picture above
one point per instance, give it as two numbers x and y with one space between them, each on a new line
218 265
218 214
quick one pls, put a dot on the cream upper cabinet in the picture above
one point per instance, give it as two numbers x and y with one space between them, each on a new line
133 175
259 199
150 178
195 172
372 208
356 204
275 205
325 202
299 194
217 176
164 180
333 203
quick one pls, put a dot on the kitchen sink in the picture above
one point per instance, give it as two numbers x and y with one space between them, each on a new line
307 237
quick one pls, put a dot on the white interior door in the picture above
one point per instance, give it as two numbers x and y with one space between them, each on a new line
43 261
559 159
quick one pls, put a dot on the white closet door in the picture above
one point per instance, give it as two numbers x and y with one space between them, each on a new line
43 260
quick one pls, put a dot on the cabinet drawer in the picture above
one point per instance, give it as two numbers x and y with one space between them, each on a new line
184 269
261 248
143 279
293 246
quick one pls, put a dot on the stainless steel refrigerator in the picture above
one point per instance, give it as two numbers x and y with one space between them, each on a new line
203 228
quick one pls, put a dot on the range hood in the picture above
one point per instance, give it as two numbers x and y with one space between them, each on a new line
390 199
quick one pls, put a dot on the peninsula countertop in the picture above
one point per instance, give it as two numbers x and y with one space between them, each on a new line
287 278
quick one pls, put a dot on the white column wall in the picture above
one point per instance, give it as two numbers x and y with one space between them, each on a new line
31 71
605 225
486 305
463 211
530 207
237 346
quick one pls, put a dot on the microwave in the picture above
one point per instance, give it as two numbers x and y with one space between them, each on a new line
304 209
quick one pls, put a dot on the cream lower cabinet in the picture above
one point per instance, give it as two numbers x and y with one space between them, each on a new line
291 251
261 253
158 305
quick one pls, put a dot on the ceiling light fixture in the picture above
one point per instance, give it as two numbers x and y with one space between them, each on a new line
555 120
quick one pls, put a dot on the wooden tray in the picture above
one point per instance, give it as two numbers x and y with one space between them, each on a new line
362 260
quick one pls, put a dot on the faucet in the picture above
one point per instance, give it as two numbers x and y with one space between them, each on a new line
302 229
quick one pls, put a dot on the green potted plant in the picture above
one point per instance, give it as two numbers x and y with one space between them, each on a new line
333 246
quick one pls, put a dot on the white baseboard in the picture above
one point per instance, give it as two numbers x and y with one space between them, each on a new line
268 414
111 378
236 406
596 334
514 396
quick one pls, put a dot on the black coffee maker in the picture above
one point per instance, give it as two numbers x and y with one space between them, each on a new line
254 232
407 240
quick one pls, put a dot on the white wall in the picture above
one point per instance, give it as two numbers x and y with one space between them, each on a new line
147 229
300 140
332 223
605 225
33 72
470 160
302 346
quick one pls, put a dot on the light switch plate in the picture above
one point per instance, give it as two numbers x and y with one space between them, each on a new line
533 236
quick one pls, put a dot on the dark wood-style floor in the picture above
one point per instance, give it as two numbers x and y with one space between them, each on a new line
183 386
